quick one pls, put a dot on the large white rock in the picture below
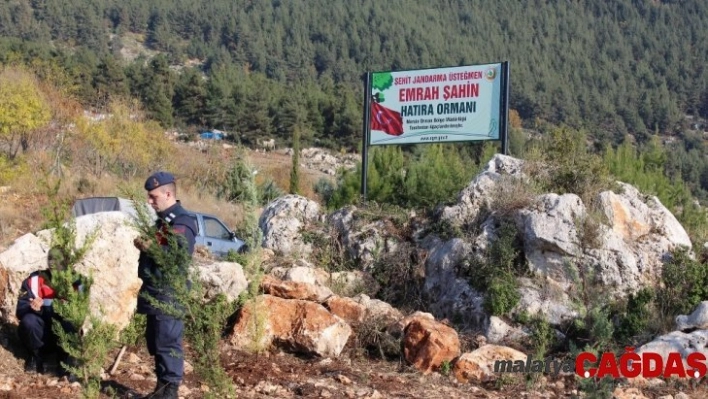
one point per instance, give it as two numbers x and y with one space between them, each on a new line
678 342
550 234
642 235
628 249
364 242
346 283
282 221
478 194
478 366
111 260
222 278
27 254
621 245
545 298
698 319
497 331
451 295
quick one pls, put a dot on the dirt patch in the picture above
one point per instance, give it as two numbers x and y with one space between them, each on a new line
282 375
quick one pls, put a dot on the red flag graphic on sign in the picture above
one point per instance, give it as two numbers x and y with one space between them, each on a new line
386 120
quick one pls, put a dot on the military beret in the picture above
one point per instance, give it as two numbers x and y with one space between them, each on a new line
158 179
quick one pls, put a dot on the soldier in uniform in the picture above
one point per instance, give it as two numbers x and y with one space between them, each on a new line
164 331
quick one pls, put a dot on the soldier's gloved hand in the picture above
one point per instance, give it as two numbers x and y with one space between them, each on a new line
142 243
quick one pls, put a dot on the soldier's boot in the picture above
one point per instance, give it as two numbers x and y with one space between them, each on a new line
170 392
159 391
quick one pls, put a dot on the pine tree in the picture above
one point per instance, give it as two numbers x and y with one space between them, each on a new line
87 347
295 171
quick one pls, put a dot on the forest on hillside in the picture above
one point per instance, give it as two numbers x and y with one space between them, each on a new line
267 67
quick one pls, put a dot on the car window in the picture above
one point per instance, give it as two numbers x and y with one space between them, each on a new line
214 229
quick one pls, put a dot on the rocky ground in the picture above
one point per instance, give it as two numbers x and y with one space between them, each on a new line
269 375
282 375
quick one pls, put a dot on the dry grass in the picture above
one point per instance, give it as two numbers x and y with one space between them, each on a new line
229 213
197 173
15 222
512 194
277 167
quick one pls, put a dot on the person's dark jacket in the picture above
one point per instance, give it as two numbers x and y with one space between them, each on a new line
38 284
180 222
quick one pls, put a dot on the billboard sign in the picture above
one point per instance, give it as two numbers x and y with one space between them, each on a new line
452 104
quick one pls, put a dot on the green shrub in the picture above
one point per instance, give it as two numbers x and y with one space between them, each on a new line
89 339
496 275
134 333
502 294
324 188
435 176
432 175
573 168
268 191
685 284
542 337
634 321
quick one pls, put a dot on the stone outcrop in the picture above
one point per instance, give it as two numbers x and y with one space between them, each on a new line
478 194
345 283
297 325
326 162
622 244
698 319
427 344
111 260
363 241
478 366
222 278
451 295
282 222
295 290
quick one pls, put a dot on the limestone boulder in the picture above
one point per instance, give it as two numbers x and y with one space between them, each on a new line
25 255
550 234
698 319
478 194
345 283
450 294
427 344
678 342
547 298
282 222
478 366
295 290
346 309
301 274
295 325
222 278
497 331
364 241
398 328
111 260
378 311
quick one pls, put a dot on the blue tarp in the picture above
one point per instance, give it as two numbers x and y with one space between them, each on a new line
212 135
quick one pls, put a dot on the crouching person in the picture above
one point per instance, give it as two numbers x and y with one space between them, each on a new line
36 314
